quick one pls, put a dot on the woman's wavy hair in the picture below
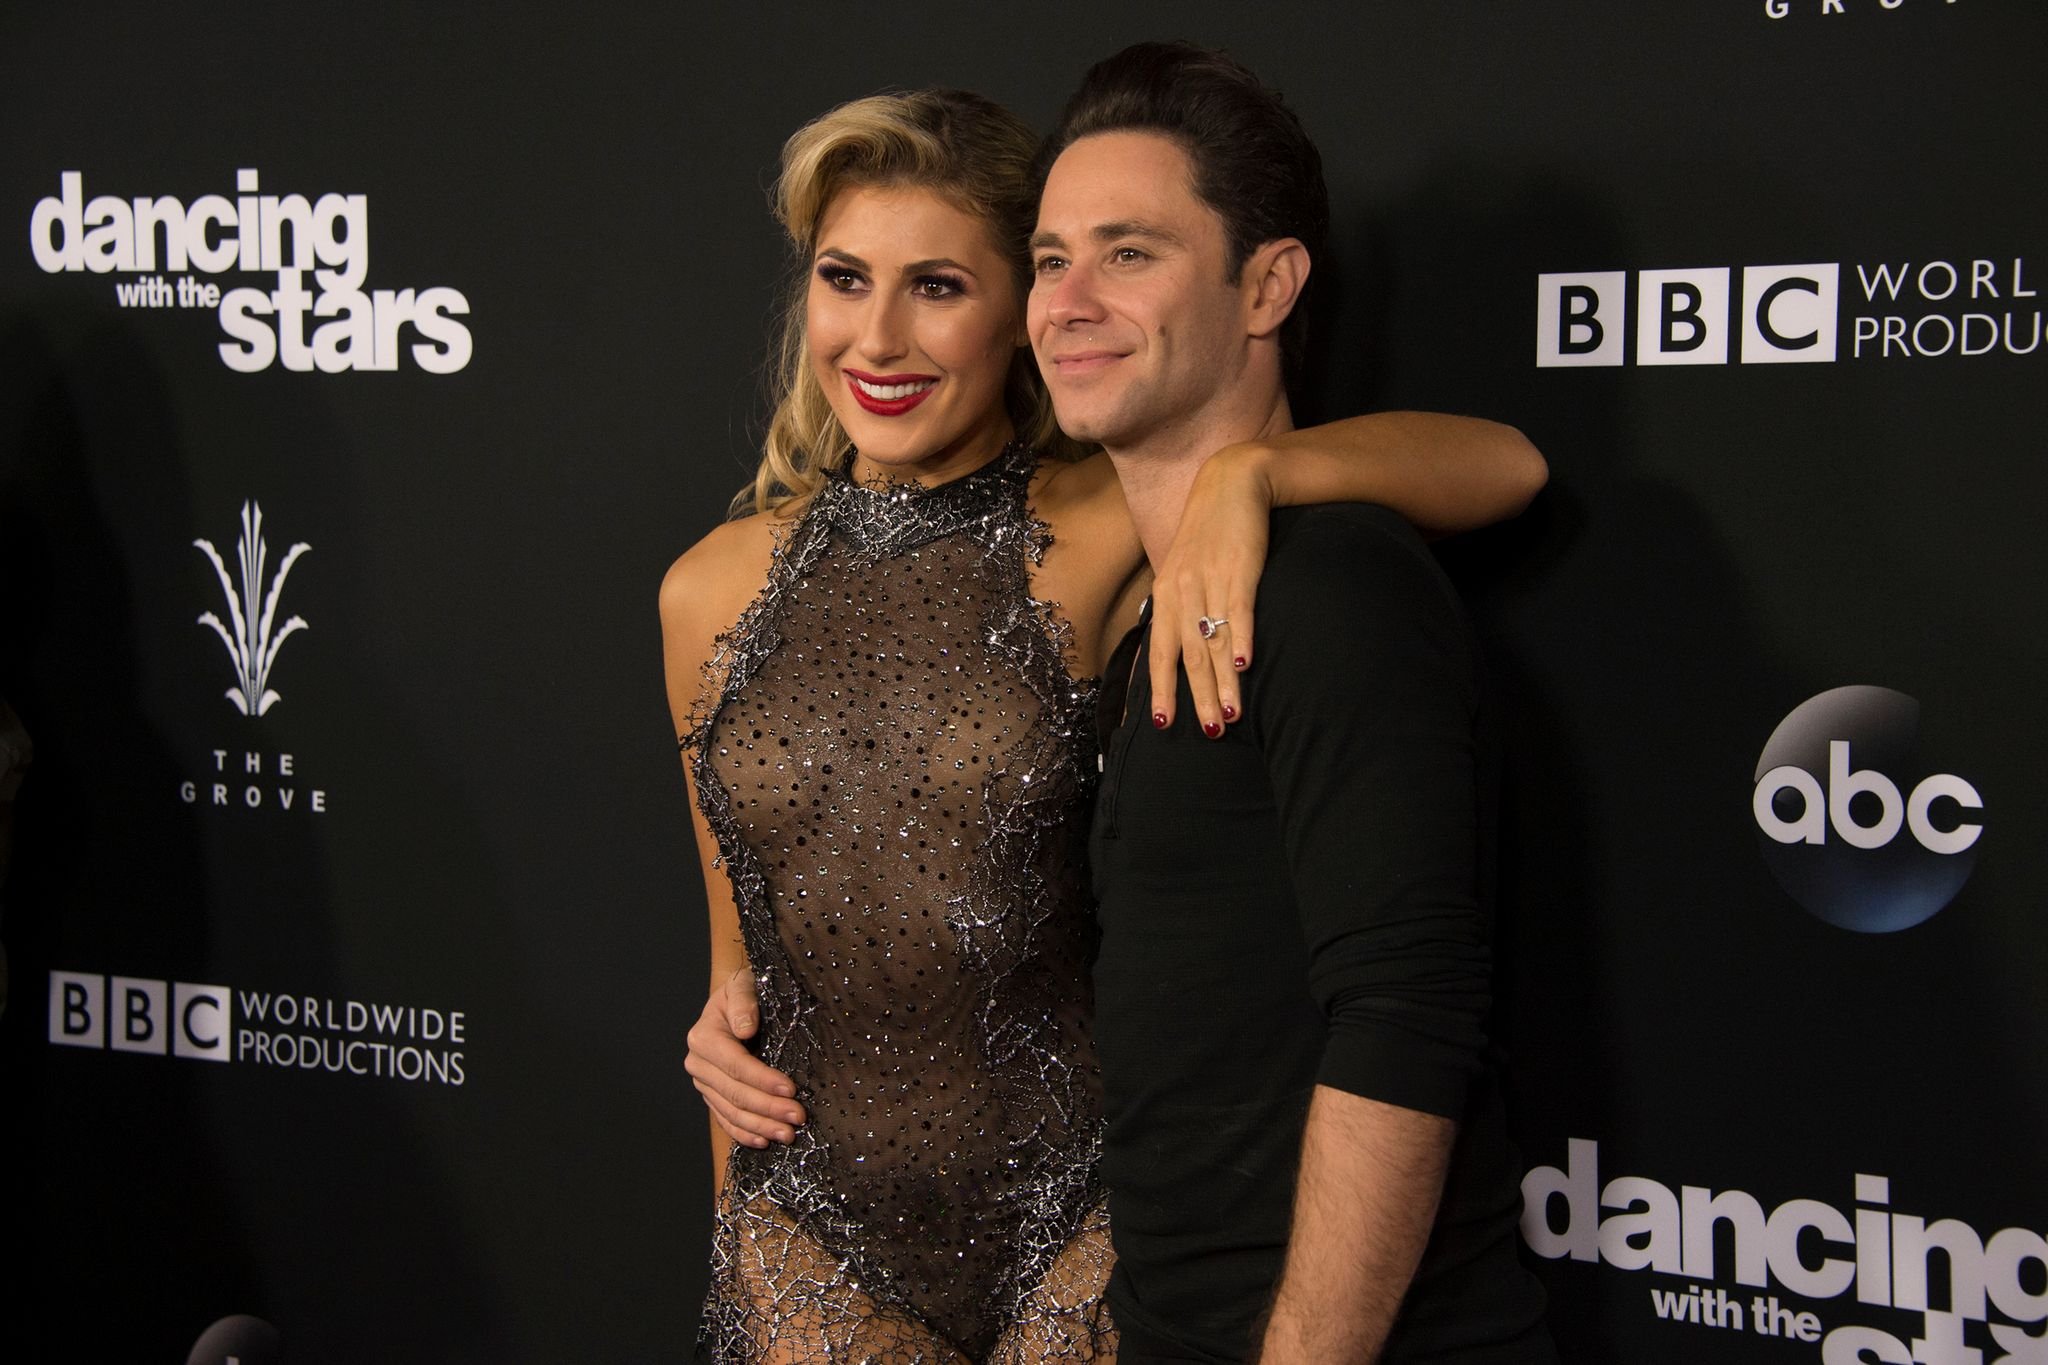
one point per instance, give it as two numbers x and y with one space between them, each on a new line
966 149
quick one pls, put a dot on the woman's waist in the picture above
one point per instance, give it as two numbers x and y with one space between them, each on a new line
919 1175
928 1014
1028 1090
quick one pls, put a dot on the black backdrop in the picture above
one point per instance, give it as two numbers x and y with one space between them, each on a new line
480 1146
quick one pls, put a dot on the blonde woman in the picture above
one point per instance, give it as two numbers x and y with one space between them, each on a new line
882 673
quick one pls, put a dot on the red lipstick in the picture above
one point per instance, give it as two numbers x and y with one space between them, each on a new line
862 385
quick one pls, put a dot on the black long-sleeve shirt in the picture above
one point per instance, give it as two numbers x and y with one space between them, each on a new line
1294 905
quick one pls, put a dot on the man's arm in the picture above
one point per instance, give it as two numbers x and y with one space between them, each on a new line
1366 716
750 1100
1364 1202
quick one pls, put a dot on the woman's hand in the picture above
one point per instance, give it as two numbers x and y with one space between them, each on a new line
750 1100
1211 572
1444 474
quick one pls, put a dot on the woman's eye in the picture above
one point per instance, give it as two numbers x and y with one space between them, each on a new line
839 278
936 287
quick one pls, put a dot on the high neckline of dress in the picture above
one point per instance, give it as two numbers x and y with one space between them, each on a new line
888 518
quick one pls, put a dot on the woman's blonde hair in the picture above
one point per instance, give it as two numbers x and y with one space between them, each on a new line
968 150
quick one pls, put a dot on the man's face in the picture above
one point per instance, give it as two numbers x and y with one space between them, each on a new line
1133 320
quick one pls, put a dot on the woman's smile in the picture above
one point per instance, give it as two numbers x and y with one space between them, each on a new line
889 395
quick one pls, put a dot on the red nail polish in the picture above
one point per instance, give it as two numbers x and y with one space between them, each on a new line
1212 729
1239 661
1159 720
1229 711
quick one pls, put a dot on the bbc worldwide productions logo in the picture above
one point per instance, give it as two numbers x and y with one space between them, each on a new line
136 1014
1852 821
287 1031
1812 313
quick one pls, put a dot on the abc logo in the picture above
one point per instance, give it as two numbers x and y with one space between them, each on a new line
1855 829
237 1340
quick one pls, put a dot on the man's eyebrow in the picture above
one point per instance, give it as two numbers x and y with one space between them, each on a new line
1109 232
1132 227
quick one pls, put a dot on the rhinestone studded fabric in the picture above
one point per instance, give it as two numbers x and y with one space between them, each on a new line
897 770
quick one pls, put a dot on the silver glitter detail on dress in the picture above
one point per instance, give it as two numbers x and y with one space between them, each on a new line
897 770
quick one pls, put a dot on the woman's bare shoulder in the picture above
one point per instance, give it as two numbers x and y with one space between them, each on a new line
1082 483
1095 561
703 594
1083 492
710 583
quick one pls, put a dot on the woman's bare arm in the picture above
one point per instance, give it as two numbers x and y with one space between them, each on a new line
704 593
1444 474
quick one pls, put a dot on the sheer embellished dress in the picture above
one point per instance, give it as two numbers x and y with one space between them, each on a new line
897 766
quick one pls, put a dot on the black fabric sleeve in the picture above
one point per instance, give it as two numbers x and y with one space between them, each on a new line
1364 695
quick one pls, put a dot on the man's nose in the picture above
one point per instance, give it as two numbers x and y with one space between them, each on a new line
1072 298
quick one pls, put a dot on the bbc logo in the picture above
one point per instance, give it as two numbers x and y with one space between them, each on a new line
1785 315
134 1014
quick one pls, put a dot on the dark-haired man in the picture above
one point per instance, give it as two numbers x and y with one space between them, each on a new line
1305 1152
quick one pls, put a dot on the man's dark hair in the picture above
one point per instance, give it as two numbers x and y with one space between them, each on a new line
1254 163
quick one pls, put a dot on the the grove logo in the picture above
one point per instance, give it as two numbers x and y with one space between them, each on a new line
1852 823
252 646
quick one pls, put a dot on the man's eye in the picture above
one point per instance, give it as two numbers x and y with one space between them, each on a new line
1047 265
1127 255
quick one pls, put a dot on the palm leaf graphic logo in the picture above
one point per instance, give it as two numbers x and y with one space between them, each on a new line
251 646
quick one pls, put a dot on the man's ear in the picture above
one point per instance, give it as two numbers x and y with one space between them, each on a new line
1273 278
